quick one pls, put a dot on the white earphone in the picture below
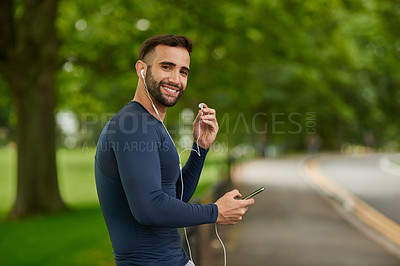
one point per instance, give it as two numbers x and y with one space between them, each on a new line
201 107
155 109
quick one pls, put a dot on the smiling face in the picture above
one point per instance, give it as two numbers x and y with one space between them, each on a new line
167 73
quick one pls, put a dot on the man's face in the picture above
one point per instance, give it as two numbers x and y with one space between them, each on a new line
167 74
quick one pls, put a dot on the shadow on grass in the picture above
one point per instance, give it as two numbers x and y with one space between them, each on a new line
74 237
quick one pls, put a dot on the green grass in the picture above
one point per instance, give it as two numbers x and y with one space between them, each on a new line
7 181
77 237
76 176
71 238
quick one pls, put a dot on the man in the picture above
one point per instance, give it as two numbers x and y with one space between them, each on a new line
137 166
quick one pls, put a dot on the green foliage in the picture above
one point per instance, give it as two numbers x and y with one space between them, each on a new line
337 59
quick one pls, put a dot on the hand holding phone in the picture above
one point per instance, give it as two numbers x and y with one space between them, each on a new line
231 208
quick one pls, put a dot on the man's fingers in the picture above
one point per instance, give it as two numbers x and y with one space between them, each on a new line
209 122
250 201
208 117
235 193
213 123
209 111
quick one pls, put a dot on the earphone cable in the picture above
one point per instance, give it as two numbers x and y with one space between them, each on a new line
222 243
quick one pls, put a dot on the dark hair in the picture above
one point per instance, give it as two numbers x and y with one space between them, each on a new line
168 40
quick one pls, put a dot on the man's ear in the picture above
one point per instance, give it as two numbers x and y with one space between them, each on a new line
141 66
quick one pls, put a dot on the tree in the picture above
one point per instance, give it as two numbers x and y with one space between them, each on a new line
28 51
252 59
282 57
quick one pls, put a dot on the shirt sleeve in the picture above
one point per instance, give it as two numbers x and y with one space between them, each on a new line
140 174
191 173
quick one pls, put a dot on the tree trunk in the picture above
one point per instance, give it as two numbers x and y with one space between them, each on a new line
37 187
28 53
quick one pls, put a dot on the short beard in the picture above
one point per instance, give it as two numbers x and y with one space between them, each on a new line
155 90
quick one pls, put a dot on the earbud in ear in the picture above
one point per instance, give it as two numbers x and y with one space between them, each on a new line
141 72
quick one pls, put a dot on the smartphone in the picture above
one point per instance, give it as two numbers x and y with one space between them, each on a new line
261 189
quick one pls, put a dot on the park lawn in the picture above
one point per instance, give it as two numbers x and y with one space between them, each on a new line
75 237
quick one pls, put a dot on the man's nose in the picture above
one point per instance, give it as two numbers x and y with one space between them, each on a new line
175 77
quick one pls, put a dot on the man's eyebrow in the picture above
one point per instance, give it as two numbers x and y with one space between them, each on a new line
174 65
186 68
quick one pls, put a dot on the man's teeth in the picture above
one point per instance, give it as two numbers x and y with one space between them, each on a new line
170 89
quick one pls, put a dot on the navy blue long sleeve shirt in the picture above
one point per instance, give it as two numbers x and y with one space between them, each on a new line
139 189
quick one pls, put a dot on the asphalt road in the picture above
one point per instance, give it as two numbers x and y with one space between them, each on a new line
292 224
370 177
